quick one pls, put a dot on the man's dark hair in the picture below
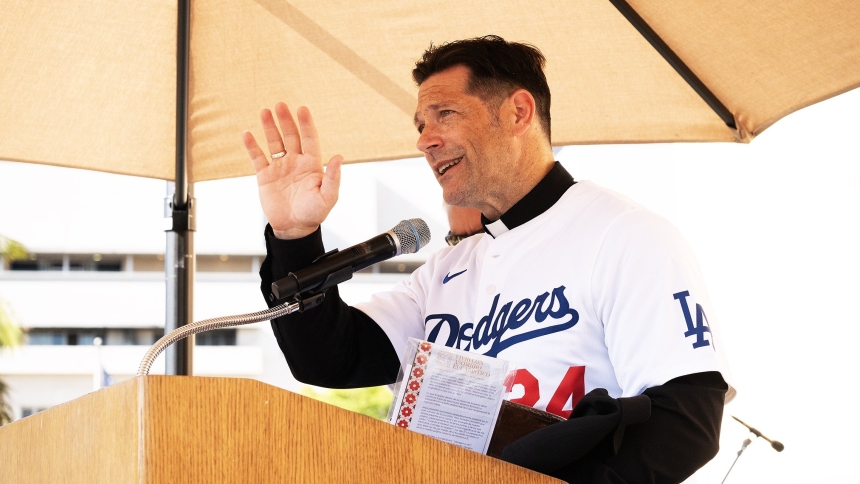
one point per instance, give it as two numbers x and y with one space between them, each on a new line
498 68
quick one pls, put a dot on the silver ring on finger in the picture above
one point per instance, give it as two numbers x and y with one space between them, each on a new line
279 154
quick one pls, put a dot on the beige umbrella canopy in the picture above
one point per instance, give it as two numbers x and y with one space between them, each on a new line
93 84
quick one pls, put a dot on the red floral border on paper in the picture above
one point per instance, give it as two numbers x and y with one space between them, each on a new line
413 385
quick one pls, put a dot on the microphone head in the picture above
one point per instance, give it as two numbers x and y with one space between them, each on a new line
777 445
413 234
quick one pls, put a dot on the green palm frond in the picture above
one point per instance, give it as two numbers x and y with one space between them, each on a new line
5 410
12 249
10 333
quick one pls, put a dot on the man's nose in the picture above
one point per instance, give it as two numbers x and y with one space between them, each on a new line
429 140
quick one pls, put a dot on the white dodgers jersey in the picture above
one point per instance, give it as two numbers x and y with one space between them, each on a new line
596 292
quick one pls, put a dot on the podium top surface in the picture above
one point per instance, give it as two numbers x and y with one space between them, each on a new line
176 429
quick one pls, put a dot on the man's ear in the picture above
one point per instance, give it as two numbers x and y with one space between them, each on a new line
523 105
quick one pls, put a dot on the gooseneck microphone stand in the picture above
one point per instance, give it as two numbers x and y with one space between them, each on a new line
300 303
773 443
306 287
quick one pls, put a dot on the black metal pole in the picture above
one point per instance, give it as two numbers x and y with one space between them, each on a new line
179 259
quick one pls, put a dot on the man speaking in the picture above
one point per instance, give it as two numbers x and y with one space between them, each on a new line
599 302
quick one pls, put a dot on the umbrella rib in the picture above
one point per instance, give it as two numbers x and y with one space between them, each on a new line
680 67
341 53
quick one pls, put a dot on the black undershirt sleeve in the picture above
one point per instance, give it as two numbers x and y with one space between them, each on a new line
666 445
332 345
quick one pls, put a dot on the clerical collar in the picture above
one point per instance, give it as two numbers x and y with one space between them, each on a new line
536 202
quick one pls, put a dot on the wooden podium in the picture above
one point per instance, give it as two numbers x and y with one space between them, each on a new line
175 429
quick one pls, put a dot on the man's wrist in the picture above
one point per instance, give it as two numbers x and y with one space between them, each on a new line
292 234
284 256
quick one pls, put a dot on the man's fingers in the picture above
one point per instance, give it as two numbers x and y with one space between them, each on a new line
292 141
258 158
310 139
331 181
273 135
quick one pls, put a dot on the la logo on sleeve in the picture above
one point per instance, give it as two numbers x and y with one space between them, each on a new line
701 325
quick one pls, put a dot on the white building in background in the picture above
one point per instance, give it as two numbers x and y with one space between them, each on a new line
96 270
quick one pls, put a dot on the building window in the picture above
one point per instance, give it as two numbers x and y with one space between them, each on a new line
86 336
41 338
217 337
60 337
95 266
132 336
75 263
36 265
27 411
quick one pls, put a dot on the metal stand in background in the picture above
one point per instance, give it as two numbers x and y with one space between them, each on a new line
179 260
777 446
744 446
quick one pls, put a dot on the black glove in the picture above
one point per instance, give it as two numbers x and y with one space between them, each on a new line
596 416
671 431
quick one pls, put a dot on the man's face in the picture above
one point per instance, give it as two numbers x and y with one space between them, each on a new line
467 146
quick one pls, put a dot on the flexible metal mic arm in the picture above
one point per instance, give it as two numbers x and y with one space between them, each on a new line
407 237
224 322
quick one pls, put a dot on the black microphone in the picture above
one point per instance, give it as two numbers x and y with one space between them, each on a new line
773 443
336 266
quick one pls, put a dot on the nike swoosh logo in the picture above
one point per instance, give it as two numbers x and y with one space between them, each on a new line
450 276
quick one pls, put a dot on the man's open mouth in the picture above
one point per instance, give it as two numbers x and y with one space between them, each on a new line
445 167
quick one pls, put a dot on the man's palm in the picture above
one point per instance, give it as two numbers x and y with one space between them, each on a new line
295 193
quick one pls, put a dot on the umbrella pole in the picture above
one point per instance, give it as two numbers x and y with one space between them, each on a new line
179 259
179 266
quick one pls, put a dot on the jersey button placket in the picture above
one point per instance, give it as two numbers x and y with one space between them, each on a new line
486 288
495 264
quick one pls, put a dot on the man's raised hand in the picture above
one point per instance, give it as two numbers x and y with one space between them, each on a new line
295 192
